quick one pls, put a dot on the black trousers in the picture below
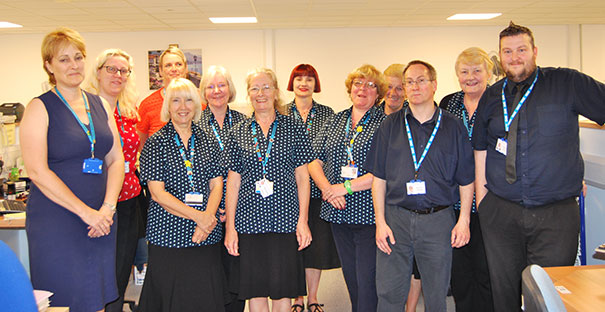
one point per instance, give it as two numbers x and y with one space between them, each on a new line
516 236
470 277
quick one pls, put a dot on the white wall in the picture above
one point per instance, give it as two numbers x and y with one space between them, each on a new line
334 52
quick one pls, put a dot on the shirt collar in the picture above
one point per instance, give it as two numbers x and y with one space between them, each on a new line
408 112
510 87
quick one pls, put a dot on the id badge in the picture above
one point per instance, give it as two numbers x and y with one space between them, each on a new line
501 146
126 167
194 199
416 187
264 187
92 166
349 172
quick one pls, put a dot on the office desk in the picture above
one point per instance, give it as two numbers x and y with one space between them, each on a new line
586 284
12 232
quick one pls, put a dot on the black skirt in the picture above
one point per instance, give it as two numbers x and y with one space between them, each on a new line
269 265
183 279
322 253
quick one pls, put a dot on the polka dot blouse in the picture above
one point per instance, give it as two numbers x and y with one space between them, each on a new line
126 127
279 212
329 146
161 161
314 123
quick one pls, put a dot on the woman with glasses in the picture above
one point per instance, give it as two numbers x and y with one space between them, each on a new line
341 148
217 90
113 80
321 254
470 277
179 163
268 198
71 150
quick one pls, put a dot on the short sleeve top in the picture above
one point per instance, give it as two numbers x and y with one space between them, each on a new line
149 111
318 115
330 147
161 161
130 139
279 212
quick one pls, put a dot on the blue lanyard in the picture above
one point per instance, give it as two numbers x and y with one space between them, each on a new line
428 144
466 121
309 122
90 134
507 122
216 134
357 131
188 162
121 123
257 146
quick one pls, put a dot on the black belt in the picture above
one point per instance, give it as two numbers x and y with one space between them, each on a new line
427 211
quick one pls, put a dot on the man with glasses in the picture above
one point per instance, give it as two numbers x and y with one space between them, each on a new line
528 163
422 164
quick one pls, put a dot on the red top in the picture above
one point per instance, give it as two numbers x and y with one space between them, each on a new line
126 127
149 111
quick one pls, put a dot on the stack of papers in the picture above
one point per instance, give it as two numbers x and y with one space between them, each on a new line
42 299
14 216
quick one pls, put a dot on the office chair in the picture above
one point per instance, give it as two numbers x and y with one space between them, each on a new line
539 293
16 292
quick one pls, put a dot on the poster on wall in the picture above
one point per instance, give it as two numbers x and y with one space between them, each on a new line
194 67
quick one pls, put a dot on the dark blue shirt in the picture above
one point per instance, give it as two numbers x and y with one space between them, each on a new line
549 165
161 161
314 123
330 148
279 212
449 162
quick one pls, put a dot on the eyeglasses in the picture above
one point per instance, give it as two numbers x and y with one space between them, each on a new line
264 89
369 84
421 82
125 72
220 86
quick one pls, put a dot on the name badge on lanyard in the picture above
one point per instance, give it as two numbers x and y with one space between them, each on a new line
502 143
417 186
90 165
501 146
264 187
194 199
350 171
121 122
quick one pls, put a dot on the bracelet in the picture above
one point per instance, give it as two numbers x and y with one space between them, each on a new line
112 207
347 185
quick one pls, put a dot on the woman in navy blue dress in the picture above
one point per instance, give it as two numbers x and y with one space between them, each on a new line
72 153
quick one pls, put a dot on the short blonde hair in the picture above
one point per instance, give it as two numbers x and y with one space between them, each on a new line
173 50
475 56
395 70
210 73
57 40
129 96
277 103
368 72
183 88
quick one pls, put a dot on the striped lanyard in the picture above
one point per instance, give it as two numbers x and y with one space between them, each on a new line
467 121
508 122
309 122
428 144
216 134
121 123
358 130
263 160
187 161
90 134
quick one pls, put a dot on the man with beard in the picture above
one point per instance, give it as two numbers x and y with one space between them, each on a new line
528 164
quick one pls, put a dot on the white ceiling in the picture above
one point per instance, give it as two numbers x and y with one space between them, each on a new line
41 16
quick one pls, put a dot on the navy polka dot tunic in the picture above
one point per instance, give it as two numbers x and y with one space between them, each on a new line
279 212
161 161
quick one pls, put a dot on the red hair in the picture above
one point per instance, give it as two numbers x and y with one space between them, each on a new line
304 70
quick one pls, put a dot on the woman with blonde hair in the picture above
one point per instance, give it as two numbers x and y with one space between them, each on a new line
341 148
268 198
470 277
113 79
394 99
71 150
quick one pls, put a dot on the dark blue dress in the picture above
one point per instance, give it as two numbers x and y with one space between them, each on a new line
79 270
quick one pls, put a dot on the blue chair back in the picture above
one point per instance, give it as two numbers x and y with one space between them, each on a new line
16 292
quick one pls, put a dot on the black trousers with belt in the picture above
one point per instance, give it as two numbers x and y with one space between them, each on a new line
516 236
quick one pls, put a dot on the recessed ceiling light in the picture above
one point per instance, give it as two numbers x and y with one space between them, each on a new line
9 25
473 16
233 20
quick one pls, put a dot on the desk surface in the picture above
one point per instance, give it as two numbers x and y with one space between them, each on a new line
585 284
12 224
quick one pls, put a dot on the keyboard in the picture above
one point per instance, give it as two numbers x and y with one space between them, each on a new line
9 206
